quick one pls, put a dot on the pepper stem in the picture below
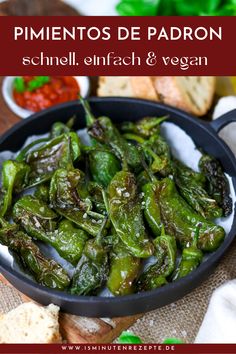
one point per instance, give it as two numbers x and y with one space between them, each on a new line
153 122
145 166
100 235
130 136
90 119
163 230
196 235
3 222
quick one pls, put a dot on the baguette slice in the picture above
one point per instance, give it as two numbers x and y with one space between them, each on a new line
30 323
127 86
193 94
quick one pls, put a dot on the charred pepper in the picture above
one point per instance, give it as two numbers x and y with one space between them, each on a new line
59 152
191 187
191 258
46 272
105 132
124 270
217 183
92 270
181 220
144 127
165 253
42 192
125 212
60 128
152 211
14 178
69 198
38 220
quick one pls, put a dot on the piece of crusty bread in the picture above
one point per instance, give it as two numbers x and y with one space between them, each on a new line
193 94
190 93
30 323
127 86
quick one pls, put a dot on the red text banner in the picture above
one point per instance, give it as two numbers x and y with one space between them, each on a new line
117 348
117 46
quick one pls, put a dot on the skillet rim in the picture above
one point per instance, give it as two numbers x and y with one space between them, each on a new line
177 286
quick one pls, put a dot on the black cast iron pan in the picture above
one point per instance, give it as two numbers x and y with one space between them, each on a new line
204 135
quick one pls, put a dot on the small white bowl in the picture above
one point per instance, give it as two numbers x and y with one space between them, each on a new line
7 92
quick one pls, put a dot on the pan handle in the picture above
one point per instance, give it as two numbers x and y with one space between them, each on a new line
224 120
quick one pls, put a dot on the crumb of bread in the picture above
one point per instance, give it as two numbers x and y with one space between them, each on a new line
30 323
127 86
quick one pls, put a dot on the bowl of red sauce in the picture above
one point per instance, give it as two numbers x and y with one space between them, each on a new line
27 94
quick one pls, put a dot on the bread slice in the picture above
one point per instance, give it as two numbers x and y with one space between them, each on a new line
127 86
30 323
193 94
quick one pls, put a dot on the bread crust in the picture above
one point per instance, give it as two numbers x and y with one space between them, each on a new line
189 93
196 99
127 86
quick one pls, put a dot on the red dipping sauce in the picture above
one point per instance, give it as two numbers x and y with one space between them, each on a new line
58 90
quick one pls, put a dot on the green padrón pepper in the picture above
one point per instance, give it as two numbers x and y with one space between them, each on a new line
92 270
38 220
191 258
124 270
59 152
181 220
156 275
14 178
125 212
46 272
191 187
68 198
217 183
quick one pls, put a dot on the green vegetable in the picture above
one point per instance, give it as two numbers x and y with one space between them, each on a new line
46 272
156 150
39 221
191 186
157 153
152 211
59 152
37 82
124 270
69 198
181 221
60 128
96 196
176 7
125 212
103 131
99 205
42 192
103 166
145 127
19 84
129 338
14 178
173 341
156 275
191 258
92 270
138 7
217 183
